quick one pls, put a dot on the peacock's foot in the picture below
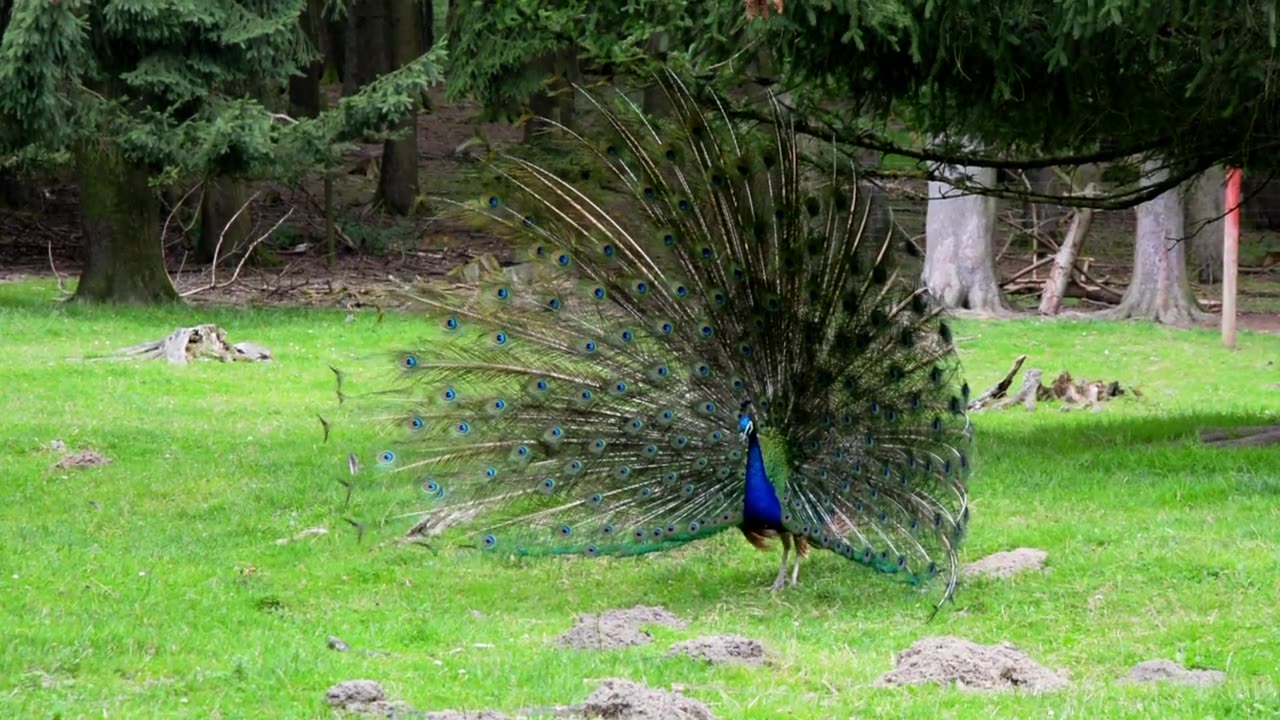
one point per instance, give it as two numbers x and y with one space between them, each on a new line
780 583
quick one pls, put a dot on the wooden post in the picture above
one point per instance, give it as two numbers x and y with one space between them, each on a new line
1230 257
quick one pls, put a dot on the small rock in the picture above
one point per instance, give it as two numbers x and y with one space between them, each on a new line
718 649
335 643
1150 671
625 700
1007 564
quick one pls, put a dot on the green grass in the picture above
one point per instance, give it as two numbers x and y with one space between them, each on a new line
153 587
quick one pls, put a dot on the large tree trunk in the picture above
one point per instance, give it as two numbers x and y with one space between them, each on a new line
1159 289
1204 223
219 222
959 260
365 43
398 178
304 90
120 217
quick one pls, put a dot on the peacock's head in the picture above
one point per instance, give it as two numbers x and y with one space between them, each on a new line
746 425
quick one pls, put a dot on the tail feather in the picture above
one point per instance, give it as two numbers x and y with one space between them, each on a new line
589 405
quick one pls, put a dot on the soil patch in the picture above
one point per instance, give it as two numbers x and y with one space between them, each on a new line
625 700
82 458
614 629
1008 563
949 660
1150 671
717 649
364 697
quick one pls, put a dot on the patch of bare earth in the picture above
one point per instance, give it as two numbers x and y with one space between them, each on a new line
1150 671
615 629
1008 563
949 660
363 697
718 649
625 700
82 459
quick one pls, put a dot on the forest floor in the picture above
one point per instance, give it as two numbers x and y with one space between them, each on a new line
202 569
43 240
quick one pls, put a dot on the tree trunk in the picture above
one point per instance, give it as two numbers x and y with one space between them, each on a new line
1204 223
223 198
655 101
959 260
120 218
1159 289
366 41
398 177
1041 218
304 90
555 102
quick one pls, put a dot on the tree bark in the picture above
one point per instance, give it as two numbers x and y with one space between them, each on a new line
555 102
1204 223
1041 218
959 261
120 217
655 101
304 90
1159 289
223 198
1065 261
398 177
365 44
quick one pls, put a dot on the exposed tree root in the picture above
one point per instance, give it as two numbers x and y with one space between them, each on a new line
1246 436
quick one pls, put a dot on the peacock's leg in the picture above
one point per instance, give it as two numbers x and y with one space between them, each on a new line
782 571
795 571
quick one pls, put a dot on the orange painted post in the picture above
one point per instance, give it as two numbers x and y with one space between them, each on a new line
1230 257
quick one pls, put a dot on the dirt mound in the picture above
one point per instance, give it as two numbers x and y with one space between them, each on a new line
1150 671
364 697
946 660
614 629
1007 564
468 715
625 700
82 458
718 649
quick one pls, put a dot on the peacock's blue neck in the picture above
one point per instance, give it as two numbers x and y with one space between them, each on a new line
761 507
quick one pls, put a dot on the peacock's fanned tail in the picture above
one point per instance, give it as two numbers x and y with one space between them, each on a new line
590 404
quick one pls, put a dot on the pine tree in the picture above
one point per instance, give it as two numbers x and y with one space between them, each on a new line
142 92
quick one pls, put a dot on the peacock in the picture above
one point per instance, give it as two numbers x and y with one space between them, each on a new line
710 329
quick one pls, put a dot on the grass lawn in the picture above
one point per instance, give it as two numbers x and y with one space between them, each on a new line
154 586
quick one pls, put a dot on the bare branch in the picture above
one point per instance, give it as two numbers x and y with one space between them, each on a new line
213 283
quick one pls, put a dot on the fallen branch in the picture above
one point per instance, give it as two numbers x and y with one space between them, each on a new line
997 391
213 267
1072 393
1027 395
1028 269
1065 260
1245 436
